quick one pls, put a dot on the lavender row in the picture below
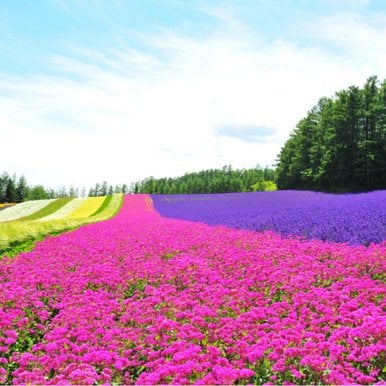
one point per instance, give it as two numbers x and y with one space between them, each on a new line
349 218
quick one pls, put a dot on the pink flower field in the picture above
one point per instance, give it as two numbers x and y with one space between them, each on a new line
142 299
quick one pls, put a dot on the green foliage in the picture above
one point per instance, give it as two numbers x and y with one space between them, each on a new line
210 181
38 193
103 189
10 190
17 247
52 207
22 189
19 236
264 186
340 145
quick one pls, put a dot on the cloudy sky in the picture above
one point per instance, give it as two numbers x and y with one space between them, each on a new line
121 90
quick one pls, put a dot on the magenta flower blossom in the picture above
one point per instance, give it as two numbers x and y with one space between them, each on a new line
143 299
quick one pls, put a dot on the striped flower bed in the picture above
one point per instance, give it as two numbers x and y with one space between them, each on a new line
89 206
23 209
4 206
66 210
113 207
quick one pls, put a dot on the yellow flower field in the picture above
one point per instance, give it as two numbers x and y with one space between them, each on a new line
88 207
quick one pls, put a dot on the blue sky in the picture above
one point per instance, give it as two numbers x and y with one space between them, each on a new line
122 90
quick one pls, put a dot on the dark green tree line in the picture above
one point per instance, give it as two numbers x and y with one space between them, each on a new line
210 181
340 145
13 189
104 189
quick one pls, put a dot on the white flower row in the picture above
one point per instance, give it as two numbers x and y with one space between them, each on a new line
65 210
23 209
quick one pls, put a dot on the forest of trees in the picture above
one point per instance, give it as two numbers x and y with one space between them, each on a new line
210 181
340 145
104 189
13 189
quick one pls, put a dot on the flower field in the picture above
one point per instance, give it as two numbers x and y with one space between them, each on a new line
66 210
88 207
56 216
4 206
349 218
146 299
23 209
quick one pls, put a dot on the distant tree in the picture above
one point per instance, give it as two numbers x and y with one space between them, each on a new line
52 193
10 190
21 189
340 145
222 180
125 188
63 192
97 189
72 192
104 188
3 186
38 193
111 190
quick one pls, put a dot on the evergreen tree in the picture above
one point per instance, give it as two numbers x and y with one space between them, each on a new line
104 189
72 192
21 189
207 181
3 186
38 193
340 144
10 190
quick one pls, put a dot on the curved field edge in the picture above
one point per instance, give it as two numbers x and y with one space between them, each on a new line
52 207
19 236
23 209
88 207
104 205
4 206
149 300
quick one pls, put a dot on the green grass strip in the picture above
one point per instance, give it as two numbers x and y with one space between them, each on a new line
17 247
104 205
16 233
120 206
52 207
28 244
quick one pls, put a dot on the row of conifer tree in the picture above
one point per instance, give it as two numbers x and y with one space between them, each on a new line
341 143
13 189
339 146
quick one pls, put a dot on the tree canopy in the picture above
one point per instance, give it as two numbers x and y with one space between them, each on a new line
14 189
223 180
340 145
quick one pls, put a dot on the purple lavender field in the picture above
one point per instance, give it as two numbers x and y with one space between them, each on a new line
349 218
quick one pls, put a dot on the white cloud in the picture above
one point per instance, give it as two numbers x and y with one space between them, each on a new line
131 114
